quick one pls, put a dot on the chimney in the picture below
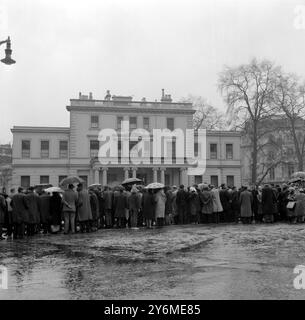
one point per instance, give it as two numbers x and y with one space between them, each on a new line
90 96
162 93
80 95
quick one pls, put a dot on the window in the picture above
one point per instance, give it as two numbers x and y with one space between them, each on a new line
25 181
146 124
174 149
94 122
94 148
85 178
119 122
170 124
44 179
63 149
44 149
132 144
213 151
25 148
60 178
198 179
229 151
272 174
133 123
214 181
290 169
230 181
196 145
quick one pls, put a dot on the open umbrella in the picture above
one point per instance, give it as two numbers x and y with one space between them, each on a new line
94 185
54 189
131 181
40 187
71 180
155 185
299 174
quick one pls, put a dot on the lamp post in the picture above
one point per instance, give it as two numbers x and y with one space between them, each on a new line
8 52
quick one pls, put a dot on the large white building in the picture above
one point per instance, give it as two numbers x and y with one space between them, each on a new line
48 154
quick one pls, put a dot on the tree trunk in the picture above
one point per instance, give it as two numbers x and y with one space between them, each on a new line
254 155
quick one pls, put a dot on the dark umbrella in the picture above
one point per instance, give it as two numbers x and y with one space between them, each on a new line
71 180
132 181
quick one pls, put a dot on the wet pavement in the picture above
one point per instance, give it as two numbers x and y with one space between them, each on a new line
176 262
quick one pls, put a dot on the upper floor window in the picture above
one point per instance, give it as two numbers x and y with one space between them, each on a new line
146 123
170 124
94 122
25 148
133 123
94 148
63 149
229 151
119 123
272 174
213 151
44 149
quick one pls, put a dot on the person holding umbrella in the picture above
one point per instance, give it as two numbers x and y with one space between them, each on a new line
148 205
70 200
84 213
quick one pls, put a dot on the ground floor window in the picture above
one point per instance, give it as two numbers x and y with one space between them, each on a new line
85 178
60 178
214 181
230 181
198 179
44 179
25 181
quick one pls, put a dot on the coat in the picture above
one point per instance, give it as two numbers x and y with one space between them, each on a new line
19 205
33 202
300 205
160 200
217 207
134 202
70 201
94 205
246 200
56 209
169 202
84 210
194 202
225 198
120 205
45 208
148 205
268 201
2 210
108 199
206 199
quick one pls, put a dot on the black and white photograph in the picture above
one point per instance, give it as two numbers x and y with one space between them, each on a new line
152 150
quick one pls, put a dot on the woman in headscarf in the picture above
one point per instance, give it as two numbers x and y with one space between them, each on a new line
195 206
206 199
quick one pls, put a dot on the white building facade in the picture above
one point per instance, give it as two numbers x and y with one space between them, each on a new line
49 154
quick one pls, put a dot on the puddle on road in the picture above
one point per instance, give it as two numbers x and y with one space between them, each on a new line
185 262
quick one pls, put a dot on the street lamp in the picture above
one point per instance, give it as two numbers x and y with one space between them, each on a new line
8 52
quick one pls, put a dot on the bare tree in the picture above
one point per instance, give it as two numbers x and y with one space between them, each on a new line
289 98
206 116
248 93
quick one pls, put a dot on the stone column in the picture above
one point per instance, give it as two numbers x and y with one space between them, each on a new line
104 170
96 175
134 172
155 171
126 173
162 175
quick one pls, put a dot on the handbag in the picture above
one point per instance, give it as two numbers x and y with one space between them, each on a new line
290 205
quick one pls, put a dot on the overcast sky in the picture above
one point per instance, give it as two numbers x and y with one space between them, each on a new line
134 47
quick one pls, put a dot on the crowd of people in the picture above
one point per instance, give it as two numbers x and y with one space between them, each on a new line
77 209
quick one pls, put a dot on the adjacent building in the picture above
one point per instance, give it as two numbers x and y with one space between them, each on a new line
48 154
